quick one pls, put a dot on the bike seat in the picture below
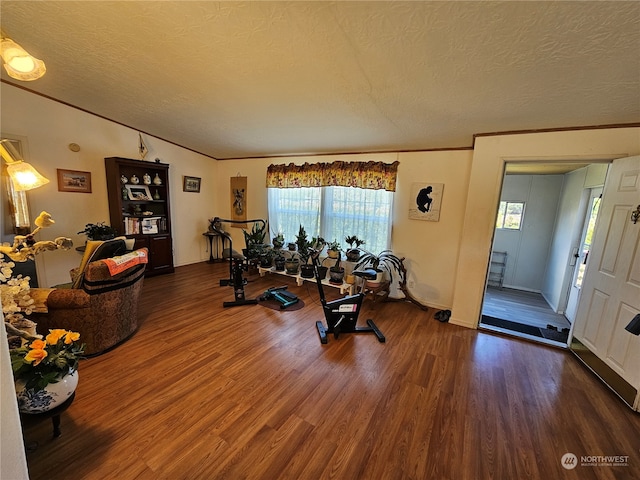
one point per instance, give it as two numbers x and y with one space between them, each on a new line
368 274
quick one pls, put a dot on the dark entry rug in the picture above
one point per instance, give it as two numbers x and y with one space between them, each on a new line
548 333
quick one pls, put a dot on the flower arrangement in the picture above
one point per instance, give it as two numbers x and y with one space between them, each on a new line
45 361
14 291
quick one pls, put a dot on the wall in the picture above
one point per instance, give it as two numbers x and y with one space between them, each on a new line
487 169
431 248
49 127
528 248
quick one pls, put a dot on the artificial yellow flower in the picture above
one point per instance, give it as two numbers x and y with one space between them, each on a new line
36 356
71 337
38 344
44 220
55 335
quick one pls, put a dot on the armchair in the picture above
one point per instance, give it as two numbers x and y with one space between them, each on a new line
104 307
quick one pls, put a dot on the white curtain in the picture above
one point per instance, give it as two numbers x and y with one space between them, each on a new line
334 213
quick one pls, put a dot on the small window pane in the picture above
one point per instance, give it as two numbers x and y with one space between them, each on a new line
510 215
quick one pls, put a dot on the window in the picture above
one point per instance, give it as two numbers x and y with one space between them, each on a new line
333 213
510 215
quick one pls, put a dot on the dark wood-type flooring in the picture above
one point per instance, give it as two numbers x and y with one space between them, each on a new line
202 392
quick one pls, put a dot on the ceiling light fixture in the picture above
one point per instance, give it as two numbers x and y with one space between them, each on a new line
23 175
18 63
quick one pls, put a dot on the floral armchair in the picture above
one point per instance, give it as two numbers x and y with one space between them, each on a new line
104 307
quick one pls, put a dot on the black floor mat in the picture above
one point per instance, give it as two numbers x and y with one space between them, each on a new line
547 333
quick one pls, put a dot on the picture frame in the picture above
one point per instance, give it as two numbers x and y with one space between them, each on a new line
74 181
138 192
191 184
426 201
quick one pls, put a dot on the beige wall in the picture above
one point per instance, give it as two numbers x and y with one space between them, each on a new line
430 248
49 127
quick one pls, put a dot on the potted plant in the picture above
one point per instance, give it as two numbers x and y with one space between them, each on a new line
254 240
279 262
333 249
278 241
353 253
98 231
336 273
304 252
385 261
45 370
266 257
292 263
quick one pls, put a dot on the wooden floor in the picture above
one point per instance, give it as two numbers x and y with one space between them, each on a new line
519 306
202 392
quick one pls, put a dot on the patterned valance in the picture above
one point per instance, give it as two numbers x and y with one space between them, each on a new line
372 175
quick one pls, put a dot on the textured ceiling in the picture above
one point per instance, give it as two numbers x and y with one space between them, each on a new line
240 79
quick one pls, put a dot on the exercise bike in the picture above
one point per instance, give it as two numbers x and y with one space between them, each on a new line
342 315
236 265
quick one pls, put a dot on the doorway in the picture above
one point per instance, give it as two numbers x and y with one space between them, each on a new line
539 229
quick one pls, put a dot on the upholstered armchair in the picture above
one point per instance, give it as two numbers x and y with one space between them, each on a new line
104 307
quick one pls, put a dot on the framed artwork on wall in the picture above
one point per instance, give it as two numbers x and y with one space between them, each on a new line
425 201
74 181
191 184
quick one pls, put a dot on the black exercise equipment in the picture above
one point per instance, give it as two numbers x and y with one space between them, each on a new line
342 314
231 254
236 264
238 286
281 295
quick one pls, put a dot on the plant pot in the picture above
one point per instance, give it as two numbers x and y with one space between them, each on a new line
307 271
322 272
336 274
291 246
54 394
333 254
279 262
353 255
265 262
292 265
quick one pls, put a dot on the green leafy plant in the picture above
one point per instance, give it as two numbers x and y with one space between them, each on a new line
384 261
98 231
352 240
304 245
334 246
256 235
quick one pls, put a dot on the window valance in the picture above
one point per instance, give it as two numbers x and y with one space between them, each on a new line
372 175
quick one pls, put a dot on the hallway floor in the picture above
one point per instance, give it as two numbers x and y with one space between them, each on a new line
522 307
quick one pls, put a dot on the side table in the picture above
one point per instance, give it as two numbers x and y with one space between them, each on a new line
211 236
29 419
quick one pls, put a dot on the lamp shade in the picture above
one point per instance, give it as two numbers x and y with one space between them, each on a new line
18 63
24 176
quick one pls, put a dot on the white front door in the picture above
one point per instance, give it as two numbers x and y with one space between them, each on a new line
581 254
610 295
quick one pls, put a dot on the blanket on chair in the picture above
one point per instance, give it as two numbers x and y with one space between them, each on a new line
123 262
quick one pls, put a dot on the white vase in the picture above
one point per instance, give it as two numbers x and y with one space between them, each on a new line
51 396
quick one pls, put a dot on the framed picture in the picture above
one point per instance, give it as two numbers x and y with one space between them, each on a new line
138 192
191 184
74 181
426 201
